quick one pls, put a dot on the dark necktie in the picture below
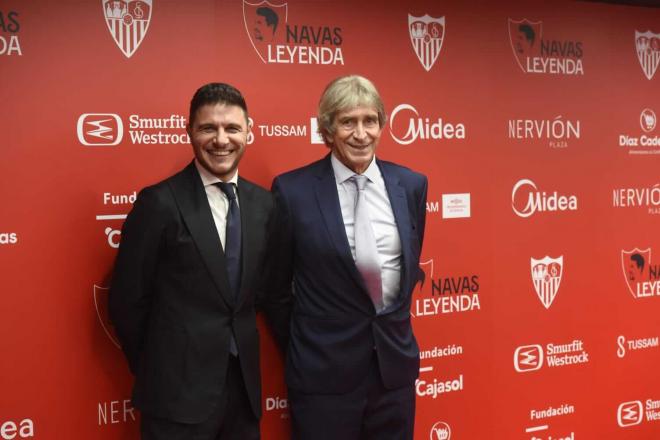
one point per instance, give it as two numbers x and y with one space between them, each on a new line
233 239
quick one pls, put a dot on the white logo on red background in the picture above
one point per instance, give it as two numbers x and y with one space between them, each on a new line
440 431
540 201
642 278
421 128
264 22
647 46
100 129
9 430
546 276
524 36
128 22
456 205
647 120
528 358
630 414
426 35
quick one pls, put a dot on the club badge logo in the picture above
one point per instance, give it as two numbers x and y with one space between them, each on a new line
440 431
128 22
426 35
546 276
647 45
263 24
648 120
101 304
635 265
425 274
524 36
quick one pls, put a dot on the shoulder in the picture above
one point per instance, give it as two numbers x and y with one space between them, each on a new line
405 174
303 174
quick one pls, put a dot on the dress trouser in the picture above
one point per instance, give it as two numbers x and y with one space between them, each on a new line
232 418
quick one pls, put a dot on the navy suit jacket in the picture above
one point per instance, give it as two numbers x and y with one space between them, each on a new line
334 327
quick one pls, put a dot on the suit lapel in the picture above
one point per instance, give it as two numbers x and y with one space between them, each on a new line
194 206
249 222
399 202
328 200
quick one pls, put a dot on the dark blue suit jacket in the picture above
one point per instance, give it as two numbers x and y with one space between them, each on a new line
334 327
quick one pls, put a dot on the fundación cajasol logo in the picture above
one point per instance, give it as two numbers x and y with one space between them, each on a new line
647 46
277 41
128 22
426 35
546 276
642 277
534 54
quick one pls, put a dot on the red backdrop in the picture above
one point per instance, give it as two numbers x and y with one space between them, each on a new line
535 122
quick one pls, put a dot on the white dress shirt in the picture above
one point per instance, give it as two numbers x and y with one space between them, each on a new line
217 199
388 241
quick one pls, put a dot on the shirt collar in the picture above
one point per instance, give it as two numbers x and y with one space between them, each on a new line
209 179
343 173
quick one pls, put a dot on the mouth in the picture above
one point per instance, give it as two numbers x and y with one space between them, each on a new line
219 153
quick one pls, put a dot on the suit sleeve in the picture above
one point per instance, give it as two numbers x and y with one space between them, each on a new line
421 211
275 297
132 287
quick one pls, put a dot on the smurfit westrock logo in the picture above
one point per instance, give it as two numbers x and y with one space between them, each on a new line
100 129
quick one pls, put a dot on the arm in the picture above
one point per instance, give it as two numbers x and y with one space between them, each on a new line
275 296
131 291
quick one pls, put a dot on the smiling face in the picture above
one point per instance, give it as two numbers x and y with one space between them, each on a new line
356 135
218 136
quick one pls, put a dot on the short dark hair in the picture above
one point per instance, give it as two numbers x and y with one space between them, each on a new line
639 260
216 93
526 29
271 17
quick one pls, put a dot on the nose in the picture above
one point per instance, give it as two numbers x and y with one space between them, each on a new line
360 133
221 138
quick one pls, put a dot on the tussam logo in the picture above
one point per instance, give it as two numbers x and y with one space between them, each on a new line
528 358
407 126
440 431
539 201
100 129
630 414
634 344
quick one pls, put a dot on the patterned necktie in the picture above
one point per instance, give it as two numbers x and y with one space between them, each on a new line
233 239
366 252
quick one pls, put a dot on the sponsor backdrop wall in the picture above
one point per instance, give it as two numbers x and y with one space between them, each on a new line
536 123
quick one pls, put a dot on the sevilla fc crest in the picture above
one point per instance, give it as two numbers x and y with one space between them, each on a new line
635 264
128 22
525 37
546 276
265 22
426 35
647 45
101 304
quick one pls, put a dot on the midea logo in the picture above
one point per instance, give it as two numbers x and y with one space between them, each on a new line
540 201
